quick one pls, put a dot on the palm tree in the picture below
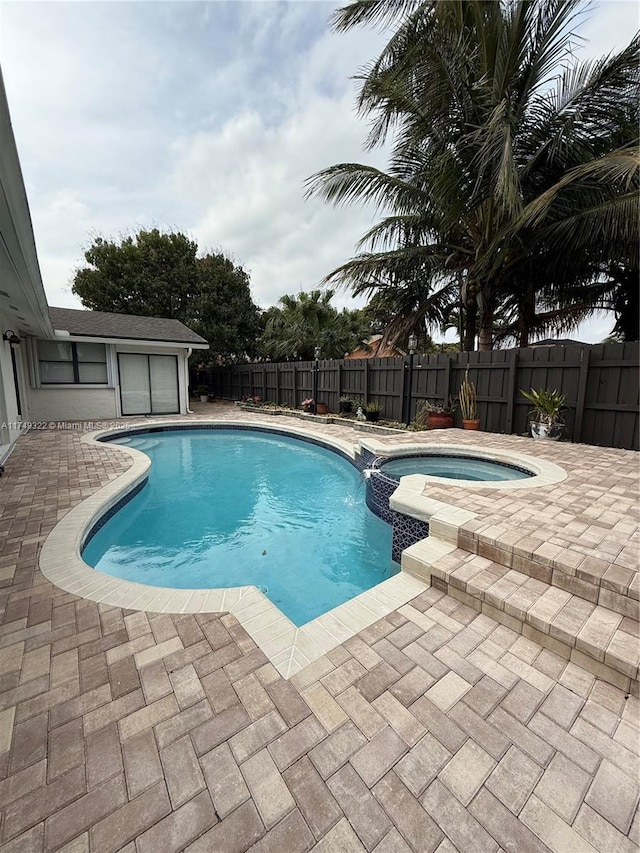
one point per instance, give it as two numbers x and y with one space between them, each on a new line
299 324
487 161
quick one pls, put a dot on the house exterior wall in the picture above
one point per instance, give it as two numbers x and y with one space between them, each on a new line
9 418
96 403
72 404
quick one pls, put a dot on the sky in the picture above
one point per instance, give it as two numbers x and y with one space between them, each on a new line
204 118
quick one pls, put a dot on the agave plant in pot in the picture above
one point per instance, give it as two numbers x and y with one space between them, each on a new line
372 411
546 421
468 403
346 404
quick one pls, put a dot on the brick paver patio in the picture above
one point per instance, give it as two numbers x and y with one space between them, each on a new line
436 728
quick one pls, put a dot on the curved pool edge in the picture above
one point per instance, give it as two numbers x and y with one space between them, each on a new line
544 473
289 648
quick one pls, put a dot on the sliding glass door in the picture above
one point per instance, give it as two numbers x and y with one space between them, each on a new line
148 384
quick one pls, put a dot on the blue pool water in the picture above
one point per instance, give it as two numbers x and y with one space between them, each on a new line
453 467
227 508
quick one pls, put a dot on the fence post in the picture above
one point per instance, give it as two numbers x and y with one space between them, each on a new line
585 357
511 390
447 380
403 390
264 383
278 383
295 386
339 381
366 381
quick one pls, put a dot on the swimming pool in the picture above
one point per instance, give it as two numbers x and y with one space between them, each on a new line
225 508
454 467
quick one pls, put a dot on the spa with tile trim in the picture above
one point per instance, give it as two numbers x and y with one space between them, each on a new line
290 647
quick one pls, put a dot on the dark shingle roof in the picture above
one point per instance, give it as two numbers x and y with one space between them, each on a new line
557 342
100 324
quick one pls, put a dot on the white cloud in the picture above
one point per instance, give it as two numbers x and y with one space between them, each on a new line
202 117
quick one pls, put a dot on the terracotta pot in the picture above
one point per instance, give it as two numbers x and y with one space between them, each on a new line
322 409
440 420
471 423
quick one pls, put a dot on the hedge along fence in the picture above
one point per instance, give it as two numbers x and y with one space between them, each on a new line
601 383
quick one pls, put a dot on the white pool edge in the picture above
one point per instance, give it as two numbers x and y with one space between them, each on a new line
288 647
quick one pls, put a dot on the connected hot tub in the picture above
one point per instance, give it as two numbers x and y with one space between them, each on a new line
411 472
453 467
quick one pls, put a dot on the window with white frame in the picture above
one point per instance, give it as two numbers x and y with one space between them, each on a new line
67 363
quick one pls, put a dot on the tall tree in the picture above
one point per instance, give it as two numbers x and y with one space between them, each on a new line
152 274
492 120
226 315
158 274
299 324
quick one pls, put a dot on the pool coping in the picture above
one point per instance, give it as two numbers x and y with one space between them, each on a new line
290 648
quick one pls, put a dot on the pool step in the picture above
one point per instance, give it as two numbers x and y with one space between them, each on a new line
609 584
601 640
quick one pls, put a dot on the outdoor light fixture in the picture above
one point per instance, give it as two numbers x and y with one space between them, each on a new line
413 345
11 337
316 368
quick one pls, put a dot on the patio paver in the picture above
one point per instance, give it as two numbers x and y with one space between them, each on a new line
123 730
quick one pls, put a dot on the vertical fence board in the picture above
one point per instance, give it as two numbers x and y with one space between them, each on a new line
600 381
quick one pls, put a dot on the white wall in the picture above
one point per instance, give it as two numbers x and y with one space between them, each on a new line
72 404
9 418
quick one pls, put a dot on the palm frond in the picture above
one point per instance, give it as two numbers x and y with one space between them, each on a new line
378 13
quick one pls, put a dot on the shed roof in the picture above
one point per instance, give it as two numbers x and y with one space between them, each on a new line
101 324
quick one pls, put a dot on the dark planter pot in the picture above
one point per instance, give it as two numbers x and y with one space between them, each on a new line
346 407
372 417
439 420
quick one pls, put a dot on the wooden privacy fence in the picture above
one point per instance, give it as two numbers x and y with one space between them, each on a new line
601 383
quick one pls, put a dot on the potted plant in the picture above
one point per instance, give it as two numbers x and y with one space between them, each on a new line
546 419
435 415
372 411
468 403
203 392
346 404
307 405
322 409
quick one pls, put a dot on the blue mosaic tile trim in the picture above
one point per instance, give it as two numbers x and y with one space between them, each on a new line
240 427
406 531
365 459
378 491
112 511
